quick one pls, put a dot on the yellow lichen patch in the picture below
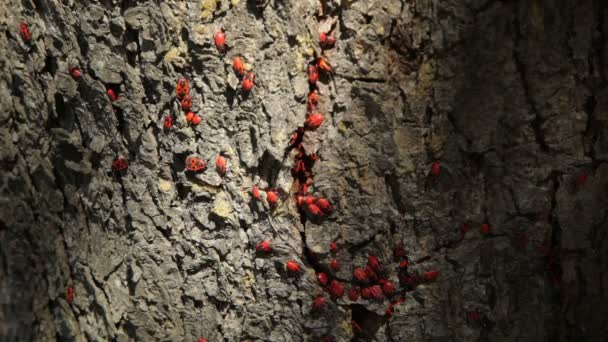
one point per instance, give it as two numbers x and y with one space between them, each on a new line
537 18
201 34
359 49
204 188
342 128
426 76
408 140
164 185
247 66
306 45
365 181
171 55
208 7
222 206
279 136
248 279
436 143
201 29
299 62
380 30
346 326
235 2
229 150
177 55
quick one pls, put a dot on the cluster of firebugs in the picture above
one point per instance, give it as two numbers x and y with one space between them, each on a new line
371 281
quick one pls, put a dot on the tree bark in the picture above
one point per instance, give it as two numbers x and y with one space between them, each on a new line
506 96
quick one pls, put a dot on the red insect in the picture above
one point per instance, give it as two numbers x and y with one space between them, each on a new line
263 246
300 167
25 32
112 94
326 338
196 120
324 205
430 276
326 41
318 304
322 278
354 293
182 88
309 200
356 327
552 263
69 295
272 198
465 228
293 267
186 103
485 228
300 201
546 251
314 121
409 280
299 170
404 264
435 168
75 72
202 340
308 182
220 40
581 179
333 247
388 288
334 265
168 121
248 81
195 164
238 65
336 289
313 74
255 192
323 64
371 274
360 275
523 241
373 263
366 293
189 116
390 309
376 293
399 252
220 165
119 164
473 316
398 301
314 210
313 101
296 137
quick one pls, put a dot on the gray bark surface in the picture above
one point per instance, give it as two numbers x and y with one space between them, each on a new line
509 96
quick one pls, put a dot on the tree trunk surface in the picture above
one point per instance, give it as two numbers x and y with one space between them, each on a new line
474 133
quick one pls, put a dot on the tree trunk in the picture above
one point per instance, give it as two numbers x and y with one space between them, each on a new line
474 133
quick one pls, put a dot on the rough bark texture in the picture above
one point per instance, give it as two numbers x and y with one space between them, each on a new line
508 95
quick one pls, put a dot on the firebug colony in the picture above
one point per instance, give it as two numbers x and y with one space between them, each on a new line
370 282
